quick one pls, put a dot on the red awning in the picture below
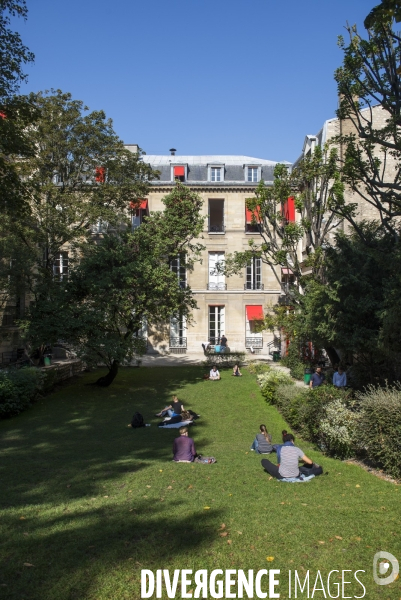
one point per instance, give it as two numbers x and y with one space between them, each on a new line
255 313
179 171
252 215
286 272
143 205
288 210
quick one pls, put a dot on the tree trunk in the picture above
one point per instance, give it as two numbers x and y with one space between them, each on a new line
109 378
333 356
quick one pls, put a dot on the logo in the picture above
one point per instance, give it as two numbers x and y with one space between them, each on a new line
381 565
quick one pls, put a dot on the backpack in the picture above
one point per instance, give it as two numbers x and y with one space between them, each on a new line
137 421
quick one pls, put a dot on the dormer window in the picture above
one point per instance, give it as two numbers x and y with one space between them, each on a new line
179 173
253 174
215 173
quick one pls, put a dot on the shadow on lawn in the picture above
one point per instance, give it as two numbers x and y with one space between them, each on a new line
72 553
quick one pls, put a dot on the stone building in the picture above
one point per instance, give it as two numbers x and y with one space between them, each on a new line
229 305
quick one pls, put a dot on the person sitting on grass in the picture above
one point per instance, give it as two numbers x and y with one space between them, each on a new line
289 457
173 410
277 447
184 447
214 375
236 371
262 442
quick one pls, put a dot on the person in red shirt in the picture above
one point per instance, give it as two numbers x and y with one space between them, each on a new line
184 447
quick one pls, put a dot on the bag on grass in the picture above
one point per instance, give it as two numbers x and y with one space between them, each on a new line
137 421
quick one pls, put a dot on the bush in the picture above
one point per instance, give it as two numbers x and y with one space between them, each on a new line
289 399
338 429
18 389
379 426
223 359
257 368
270 381
297 371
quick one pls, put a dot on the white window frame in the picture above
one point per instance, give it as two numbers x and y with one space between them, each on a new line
215 166
63 260
220 319
180 269
178 331
216 281
255 337
258 173
253 273
179 165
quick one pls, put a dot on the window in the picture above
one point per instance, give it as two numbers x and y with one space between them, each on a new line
139 214
216 323
254 275
60 267
178 266
253 174
252 219
100 226
178 332
287 280
216 216
217 281
253 316
288 210
179 173
215 174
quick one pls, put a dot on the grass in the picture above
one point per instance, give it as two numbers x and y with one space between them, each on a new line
89 502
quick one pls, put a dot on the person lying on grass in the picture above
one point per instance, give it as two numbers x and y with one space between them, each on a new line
289 457
184 447
173 410
236 371
262 444
185 416
214 375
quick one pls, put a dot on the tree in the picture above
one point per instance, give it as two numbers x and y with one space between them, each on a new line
369 86
121 281
16 112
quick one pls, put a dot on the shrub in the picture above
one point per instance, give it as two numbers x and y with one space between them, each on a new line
313 411
256 368
379 426
338 429
289 399
18 389
297 371
223 359
270 381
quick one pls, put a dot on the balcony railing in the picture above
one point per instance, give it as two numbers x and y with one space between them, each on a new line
254 286
8 320
178 342
255 342
217 228
216 287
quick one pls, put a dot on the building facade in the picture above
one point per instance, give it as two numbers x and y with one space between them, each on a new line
230 305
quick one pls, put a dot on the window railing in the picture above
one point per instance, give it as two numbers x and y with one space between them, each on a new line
249 285
252 228
221 228
8 320
255 342
216 287
178 342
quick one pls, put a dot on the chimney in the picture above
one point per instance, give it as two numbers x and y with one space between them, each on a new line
172 151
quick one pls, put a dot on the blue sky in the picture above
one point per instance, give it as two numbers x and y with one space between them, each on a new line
206 77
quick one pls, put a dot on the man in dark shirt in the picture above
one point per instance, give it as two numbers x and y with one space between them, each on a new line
184 447
317 378
223 343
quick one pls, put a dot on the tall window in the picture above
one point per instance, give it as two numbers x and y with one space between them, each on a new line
217 280
253 317
254 274
216 216
216 323
178 332
177 265
215 174
60 267
253 174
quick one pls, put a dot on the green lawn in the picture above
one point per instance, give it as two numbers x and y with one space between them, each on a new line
89 502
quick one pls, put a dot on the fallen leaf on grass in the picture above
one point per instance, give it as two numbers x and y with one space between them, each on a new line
269 558
303 504
358 539
160 470
69 485
282 502
105 496
230 494
169 487
338 537
357 485
190 487
28 565
22 518
26 533
223 526
223 534
270 478
320 542
239 532
229 542
148 486
206 508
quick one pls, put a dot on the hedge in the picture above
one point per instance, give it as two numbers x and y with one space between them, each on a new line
18 389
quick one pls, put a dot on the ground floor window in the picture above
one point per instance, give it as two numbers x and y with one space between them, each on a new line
178 337
216 323
253 337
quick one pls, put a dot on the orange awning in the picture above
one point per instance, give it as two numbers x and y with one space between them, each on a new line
143 205
252 215
255 313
